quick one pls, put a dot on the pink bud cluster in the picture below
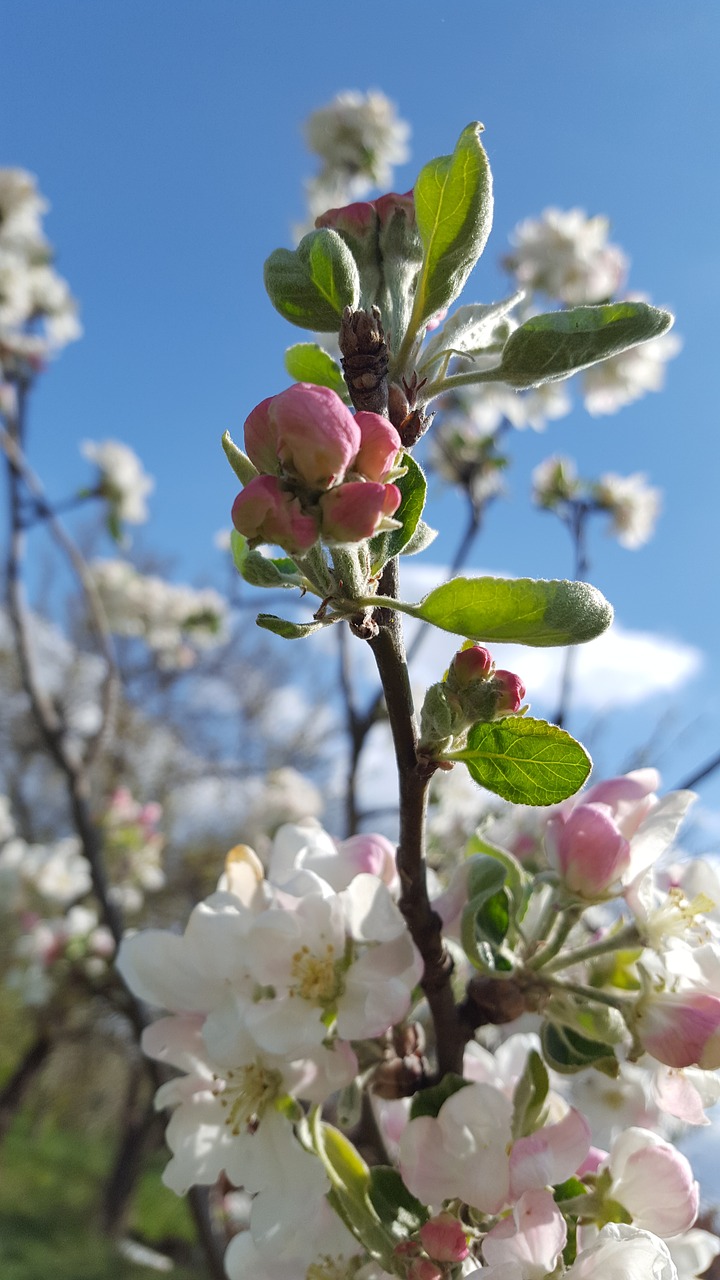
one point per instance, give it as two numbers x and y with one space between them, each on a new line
323 471
475 663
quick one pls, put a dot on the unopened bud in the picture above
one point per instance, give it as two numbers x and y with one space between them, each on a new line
356 510
424 1269
379 445
511 691
265 512
472 663
444 1238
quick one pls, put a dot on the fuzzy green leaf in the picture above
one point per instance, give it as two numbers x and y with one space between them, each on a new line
559 343
291 630
239 461
525 761
530 611
308 362
567 1052
413 487
311 285
260 570
529 1098
453 206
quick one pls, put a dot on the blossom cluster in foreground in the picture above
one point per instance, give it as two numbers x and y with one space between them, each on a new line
290 983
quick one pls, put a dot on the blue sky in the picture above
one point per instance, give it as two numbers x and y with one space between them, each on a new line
166 134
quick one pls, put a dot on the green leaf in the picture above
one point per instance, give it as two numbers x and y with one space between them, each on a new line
311 285
413 487
568 1190
554 345
517 879
529 1098
396 1207
239 461
291 630
525 761
308 362
260 570
453 206
470 328
598 1022
487 915
422 538
429 1101
530 611
567 1052
350 1181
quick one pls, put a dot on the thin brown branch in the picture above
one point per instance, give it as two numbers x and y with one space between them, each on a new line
414 777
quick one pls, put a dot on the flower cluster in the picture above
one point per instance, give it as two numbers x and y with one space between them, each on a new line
133 848
631 502
358 137
38 314
173 620
566 255
323 471
121 481
51 950
267 988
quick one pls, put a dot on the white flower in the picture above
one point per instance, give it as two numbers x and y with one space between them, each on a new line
633 504
624 1253
554 480
359 134
174 620
653 1181
566 255
21 210
122 479
463 1152
321 1241
534 1236
620 379
692 1252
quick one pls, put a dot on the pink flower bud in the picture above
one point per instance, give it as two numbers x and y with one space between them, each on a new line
355 220
511 691
585 846
631 797
370 853
681 1029
475 663
424 1269
379 444
444 1238
308 430
261 439
388 205
266 511
355 510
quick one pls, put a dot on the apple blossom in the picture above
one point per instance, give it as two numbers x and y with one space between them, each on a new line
623 1253
633 504
586 848
357 510
122 480
680 1028
265 511
308 431
533 1236
621 379
653 1181
567 255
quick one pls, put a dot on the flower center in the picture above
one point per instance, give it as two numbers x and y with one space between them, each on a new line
315 976
327 1268
246 1094
678 916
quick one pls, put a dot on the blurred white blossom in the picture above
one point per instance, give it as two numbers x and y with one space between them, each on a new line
38 314
618 381
634 506
174 620
122 479
566 254
358 137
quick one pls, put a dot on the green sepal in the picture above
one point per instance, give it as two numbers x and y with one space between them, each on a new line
530 1097
292 630
309 362
568 1190
533 611
429 1101
453 207
397 1208
350 1187
556 344
311 285
568 1052
239 461
260 570
413 487
525 761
